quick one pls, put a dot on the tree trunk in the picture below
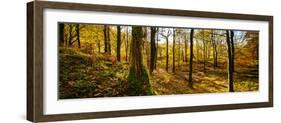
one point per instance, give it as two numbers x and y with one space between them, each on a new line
70 35
198 52
215 54
61 34
156 54
174 40
204 52
99 46
167 54
118 43
152 49
179 54
105 38
232 48
191 59
185 49
229 62
138 78
127 43
78 35
108 40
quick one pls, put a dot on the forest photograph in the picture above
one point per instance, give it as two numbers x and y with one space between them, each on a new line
103 60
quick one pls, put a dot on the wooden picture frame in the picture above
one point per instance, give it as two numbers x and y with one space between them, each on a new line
35 60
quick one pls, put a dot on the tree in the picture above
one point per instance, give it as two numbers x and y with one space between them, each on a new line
215 51
185 48
174 40
204 51
157 46
152 49
105 38
70 36
166 33
179 33
99 45
78 35
108 40
230 60
252 44
61 34
118 43
191 59
146 48
127 44
138 78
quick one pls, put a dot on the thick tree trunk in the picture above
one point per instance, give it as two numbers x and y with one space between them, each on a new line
61 34
138 78
229 62
174 40
78 35
152 49
191 59
118 43
136 54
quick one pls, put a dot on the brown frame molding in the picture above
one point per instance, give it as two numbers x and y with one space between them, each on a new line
35 60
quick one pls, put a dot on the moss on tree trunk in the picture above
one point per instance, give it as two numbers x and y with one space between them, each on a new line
138 78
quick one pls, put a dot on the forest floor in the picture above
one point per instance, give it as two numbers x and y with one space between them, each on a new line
81 77
212 81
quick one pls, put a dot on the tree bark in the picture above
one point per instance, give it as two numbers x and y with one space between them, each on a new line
61 34
204 52
127 43
152 49
179 53
138 78
108 40
191 59
136 54
229 61
167 54
185 49
215 54
232 48
174 40
118 43
70 35
105 38
78 35
156 54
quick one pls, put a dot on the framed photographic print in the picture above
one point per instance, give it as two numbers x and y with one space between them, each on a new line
97 61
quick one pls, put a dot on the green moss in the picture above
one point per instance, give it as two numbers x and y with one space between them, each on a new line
139 86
